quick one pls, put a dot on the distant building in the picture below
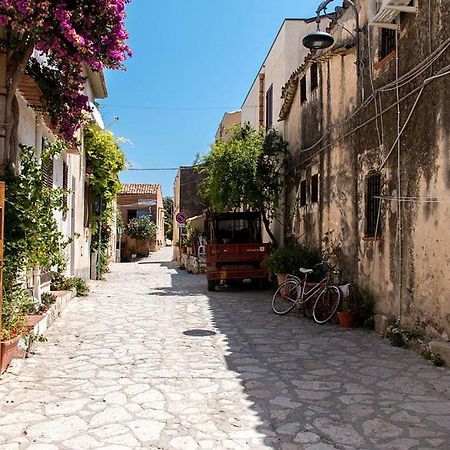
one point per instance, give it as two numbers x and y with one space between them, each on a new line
229 119
186 199
139 200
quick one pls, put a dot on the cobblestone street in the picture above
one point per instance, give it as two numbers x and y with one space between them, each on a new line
152 360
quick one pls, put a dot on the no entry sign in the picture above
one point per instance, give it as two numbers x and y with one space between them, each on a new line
181 218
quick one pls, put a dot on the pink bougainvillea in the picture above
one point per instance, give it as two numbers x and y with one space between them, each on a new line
69 34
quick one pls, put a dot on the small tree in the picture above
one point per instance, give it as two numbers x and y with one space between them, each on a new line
168 217
141 229
244 172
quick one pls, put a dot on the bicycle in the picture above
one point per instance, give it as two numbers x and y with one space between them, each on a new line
295 292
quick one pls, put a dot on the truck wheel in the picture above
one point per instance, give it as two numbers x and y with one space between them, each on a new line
211 285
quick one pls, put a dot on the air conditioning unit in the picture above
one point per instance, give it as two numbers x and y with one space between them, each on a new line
388 10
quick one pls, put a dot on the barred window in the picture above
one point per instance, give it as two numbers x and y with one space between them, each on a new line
373 202
387 43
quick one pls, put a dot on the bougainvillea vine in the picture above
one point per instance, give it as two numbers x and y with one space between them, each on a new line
54 40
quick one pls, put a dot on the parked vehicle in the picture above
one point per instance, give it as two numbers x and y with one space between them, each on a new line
235 250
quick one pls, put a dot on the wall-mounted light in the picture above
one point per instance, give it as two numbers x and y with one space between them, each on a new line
320 39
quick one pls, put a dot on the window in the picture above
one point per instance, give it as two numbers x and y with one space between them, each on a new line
303 90
373 192
47 169
131 214
47 173
387 42
303 193
269 108
314 77
315 188
65 187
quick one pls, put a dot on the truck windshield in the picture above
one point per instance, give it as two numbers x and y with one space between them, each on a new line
238 231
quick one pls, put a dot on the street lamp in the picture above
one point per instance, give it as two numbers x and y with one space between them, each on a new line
318 40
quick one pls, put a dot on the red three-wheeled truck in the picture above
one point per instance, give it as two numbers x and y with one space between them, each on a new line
235 249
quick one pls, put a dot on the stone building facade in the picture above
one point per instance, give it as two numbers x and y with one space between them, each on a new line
370 155
138 200
185 199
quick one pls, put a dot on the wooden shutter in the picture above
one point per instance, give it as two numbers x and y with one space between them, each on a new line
65 187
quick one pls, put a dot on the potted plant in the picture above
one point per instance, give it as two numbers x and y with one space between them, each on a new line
356 307
289 259
16 304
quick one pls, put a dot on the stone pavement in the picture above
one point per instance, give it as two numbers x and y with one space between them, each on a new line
153 361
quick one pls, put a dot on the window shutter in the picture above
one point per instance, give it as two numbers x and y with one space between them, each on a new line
65 187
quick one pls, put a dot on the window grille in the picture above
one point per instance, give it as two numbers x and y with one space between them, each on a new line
303 97
269 108
314 77
373 192
387 44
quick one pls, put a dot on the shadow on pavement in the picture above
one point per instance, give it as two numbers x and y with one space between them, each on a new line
311 384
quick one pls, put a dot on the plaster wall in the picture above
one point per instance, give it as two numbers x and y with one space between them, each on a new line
285 55
406 267
32 129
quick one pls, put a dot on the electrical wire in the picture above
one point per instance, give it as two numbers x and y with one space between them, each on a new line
174 108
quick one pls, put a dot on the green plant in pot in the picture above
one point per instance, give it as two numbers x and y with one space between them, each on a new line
356 307
17 303
289 259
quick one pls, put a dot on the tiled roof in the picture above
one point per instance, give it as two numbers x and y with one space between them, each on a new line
140 189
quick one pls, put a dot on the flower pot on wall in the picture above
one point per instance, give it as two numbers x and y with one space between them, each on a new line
346 318
8 349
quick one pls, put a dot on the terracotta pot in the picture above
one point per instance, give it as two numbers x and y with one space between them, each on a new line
346 318
8 349
281 278
184 250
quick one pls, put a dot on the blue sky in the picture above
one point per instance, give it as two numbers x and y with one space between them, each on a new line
192 61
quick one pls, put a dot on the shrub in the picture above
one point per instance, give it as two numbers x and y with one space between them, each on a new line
47 299
16 305
290 258
62 283
141 228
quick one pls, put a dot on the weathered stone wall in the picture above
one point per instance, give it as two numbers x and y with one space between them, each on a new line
406 267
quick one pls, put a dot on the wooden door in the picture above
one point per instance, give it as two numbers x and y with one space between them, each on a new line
2 221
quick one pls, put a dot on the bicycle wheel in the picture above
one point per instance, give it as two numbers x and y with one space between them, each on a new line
326 304
285 297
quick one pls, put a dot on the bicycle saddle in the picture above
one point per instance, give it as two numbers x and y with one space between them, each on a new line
302 270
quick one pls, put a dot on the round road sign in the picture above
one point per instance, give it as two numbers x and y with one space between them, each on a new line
181 218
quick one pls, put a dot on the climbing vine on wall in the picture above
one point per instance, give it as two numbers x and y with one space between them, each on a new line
104 161
32 238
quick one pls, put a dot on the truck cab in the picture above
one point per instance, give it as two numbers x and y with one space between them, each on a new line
235 250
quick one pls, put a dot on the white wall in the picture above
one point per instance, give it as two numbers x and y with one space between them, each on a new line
285 56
